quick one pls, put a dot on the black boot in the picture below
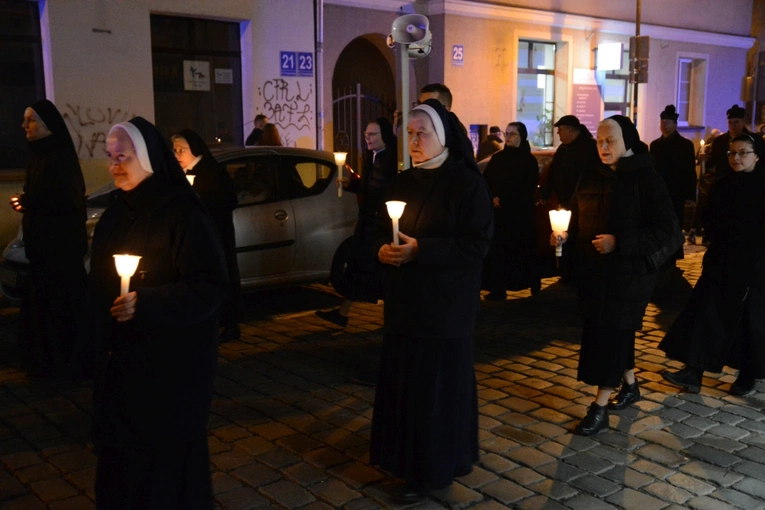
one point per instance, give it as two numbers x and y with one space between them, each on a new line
334 317
595 421
628 395
743 386
688 378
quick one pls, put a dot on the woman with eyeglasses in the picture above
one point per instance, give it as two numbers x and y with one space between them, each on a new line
512 176
723 323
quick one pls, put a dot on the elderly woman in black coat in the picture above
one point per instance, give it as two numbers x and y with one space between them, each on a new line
361 280
156 345
723 322
216 191
425 420
55 241
512 176
621 213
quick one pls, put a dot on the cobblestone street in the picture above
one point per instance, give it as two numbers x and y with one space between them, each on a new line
290 427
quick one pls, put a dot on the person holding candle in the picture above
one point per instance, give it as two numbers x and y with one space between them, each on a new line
722 323
425 421
55 242
216 191
361 279
157 345
621 213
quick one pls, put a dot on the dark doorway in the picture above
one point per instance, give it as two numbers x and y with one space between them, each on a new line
197 78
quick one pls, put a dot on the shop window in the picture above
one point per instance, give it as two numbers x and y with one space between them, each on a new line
691 90
197 74
22 81
536 90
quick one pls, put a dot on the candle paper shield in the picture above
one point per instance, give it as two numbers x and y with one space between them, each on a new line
559 221
395 210
126 266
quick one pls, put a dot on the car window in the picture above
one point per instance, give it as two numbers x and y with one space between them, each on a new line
313 175
255 179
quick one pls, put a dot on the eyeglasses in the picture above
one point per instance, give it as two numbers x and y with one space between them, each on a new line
508 134
180 150
370 135
740 154
118 158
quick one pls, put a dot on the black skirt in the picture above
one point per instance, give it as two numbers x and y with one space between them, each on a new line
606 353
425 421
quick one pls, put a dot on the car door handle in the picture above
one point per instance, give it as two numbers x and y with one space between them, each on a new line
281 214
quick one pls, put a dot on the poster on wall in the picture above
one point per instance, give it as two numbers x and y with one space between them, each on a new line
224 76
196 75
587 101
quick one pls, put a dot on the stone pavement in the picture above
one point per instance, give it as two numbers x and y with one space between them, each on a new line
290 428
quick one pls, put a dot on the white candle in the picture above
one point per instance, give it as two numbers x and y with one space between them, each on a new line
395 210
126 266
340 162
702 157
190 178
559 221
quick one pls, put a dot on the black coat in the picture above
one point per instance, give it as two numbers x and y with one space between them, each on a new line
154 373
489 146
706 331
675 160
54 202
568 163
254 137
512 175
448 211
632 204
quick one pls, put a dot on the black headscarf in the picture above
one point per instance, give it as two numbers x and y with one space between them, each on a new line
53 120
386 131
521 127
162 159
629 134
196 144
457 141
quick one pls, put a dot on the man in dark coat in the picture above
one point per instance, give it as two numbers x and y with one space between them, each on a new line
216 191
55 241
492 144
257 130
736 126
156 344
576 153
675 160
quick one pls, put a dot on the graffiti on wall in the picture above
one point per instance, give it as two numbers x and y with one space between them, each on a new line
89 127
289 105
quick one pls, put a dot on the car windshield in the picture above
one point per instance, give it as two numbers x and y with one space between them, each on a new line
102 196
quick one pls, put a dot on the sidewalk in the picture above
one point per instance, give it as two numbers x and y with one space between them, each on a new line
289 428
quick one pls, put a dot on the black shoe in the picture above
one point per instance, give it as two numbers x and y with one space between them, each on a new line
628 395
409 496
743 386
688 378
229 333
333 316
536 287
595 421
495 296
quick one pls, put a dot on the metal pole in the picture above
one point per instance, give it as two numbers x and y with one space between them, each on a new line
359 136
637 57
404 102
319 74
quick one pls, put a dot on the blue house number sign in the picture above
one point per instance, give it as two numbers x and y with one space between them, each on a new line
296 63
458 55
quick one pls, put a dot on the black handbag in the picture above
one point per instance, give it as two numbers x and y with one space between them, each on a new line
676 241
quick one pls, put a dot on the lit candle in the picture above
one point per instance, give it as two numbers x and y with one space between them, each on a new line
395 210
190 178
340 161
702 157
126 266
559 220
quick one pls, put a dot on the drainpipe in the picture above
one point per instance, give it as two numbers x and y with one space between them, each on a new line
319 9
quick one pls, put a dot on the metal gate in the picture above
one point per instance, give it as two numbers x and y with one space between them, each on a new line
351 111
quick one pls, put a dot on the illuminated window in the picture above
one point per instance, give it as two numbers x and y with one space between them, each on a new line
536 90
691 90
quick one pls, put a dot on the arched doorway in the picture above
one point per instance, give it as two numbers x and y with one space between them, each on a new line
363 88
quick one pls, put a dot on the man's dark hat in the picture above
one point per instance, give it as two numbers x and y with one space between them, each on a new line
494 129
736 112
568 120
669 113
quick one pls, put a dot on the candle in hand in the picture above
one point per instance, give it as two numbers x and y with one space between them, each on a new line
395 210
340 162
190 178
559 220
126 266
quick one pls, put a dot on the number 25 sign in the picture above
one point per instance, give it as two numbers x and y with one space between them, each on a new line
296 63
458 55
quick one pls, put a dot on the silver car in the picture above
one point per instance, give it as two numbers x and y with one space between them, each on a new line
288 223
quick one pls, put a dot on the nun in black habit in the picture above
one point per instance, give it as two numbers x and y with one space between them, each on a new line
55 241
216 191
425 420
512 176
157 345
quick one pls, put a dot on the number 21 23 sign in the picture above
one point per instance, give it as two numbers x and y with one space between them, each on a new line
296 63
